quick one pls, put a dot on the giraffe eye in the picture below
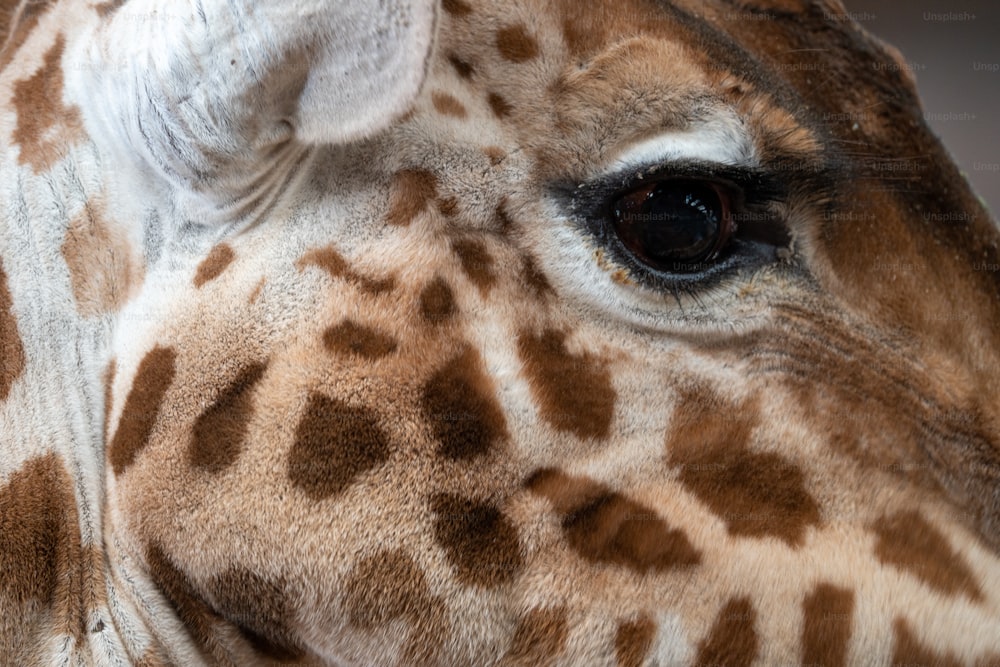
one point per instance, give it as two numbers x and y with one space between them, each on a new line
675 225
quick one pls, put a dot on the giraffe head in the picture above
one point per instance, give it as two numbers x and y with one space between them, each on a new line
514 332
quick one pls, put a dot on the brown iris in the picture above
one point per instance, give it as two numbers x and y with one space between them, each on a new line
674 225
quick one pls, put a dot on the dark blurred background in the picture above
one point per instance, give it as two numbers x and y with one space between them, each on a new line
953 47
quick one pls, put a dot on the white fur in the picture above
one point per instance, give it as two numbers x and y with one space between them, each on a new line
722 140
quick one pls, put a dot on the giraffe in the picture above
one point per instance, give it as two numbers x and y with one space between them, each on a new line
483 332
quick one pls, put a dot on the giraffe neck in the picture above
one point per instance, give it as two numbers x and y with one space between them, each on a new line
68 265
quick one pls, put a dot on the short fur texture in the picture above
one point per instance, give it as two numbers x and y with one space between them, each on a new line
309 353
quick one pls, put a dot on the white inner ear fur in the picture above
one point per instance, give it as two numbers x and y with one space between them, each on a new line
223 97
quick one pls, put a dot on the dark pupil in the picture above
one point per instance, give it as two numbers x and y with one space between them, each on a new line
671 225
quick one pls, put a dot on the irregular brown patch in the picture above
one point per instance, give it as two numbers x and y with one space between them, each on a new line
456 7
218 260
732 641
496 154
220 431
436 301
500 106
197 617
603 526
142 407
908 650
12 358
573 392
102 269
504 221
334 445
390 586
476 263
755 494
535 278
460 405
107 9
336 266
262 610
481 544
23 20
539 639
41 560
46 127
448 206
908 542
109 381
462 68
349 338
828 614
257 291
516 44
413 191
448 105
633 641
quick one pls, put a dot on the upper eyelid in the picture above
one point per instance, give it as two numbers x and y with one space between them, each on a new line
722 141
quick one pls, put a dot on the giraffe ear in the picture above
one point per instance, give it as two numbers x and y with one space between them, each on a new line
368 69
217 95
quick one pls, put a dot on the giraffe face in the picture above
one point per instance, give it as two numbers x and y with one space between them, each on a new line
646 330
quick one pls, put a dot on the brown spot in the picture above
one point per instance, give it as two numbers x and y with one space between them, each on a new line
495 154
603 526
142 407
462 68
633 641
261 609
211 267
539 639
456 7
196 616
23 19
732 641
153 657
476 263
257 291
501 107
413 191
463 412
504 221
336 266
101 267
573 392
516 45
11 349
41 561
447 105
46 127
535 278
390 586
109 381
755 494
480 542
436 301
107 9
220 431
334 445
828 613
349 338
908 650
448 206
908 542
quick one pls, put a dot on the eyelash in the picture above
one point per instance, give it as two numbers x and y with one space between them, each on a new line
754 192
